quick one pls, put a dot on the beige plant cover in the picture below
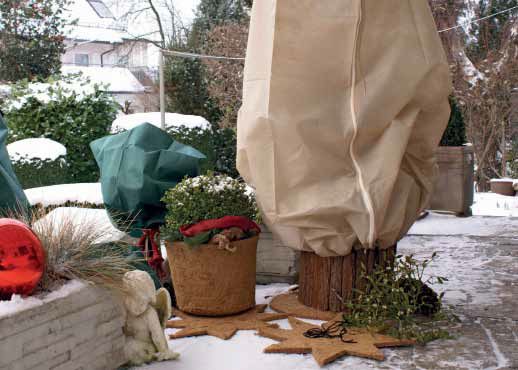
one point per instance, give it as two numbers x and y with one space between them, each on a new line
335 163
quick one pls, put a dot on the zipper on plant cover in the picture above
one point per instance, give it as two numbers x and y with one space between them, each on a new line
365 194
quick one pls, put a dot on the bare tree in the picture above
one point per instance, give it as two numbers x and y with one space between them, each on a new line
226 77
483 81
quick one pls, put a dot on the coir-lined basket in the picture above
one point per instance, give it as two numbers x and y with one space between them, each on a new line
210 281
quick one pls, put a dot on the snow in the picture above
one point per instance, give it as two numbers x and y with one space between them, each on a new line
57 195
502 180
83 32
47 92
36 148
446 224
118 80
127 122
18 303
491 204
91 27
84 218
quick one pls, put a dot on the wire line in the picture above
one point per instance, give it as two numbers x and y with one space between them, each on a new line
478 20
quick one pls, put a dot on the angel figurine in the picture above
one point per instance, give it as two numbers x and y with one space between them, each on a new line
147 311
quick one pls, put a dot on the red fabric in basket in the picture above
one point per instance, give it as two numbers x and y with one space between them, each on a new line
22 260
226 222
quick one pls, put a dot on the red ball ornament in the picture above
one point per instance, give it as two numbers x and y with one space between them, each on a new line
22 259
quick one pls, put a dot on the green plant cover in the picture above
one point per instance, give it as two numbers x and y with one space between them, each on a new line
12 196
137 167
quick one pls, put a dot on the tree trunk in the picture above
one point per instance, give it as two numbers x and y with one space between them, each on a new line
325 283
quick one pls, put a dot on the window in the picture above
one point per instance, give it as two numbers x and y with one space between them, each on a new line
100 8
81 59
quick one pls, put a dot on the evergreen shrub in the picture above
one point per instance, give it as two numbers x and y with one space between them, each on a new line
203 198
455 133
70 111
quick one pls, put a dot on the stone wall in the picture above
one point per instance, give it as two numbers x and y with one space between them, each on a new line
81 330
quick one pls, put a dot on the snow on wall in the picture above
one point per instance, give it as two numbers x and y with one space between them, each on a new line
39 148
127 122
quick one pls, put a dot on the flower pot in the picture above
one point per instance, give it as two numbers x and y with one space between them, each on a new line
453 190
503 187
212 282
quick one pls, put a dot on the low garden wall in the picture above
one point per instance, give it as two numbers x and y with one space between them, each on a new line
71 329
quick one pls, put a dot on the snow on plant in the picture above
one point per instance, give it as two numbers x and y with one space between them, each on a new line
69 110
206 197
53 89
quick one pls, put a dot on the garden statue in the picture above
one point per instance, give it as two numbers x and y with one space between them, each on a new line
147 311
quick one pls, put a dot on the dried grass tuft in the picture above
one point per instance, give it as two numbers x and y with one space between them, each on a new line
78 248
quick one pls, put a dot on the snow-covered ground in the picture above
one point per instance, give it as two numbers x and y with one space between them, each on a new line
478 274
127 122
490 204
38 148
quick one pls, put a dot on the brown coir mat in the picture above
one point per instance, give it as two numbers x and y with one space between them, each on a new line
223 327
352 342
290 305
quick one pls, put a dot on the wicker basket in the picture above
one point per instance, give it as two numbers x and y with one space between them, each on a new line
212 282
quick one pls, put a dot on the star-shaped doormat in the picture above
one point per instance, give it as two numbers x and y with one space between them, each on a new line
223 327
325 350
289 304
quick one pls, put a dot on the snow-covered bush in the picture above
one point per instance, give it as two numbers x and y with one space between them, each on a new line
204 198
33 173
69 110
38 162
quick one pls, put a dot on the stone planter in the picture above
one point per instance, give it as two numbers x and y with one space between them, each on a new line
276 263
76 327
210 281
503 187
454 186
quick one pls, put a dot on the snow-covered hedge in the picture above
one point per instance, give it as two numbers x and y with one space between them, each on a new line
172 120
38 162
68 110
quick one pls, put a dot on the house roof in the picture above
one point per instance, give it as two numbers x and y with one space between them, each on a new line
119 80
94 23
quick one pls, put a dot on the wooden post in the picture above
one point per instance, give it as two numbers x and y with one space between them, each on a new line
324 282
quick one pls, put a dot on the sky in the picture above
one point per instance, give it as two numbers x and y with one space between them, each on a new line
186 8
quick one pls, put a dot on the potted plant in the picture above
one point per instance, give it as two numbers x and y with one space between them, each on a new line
211 241
454 185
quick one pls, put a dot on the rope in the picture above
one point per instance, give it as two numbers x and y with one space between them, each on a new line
152 255
335 330
478 20
201 56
